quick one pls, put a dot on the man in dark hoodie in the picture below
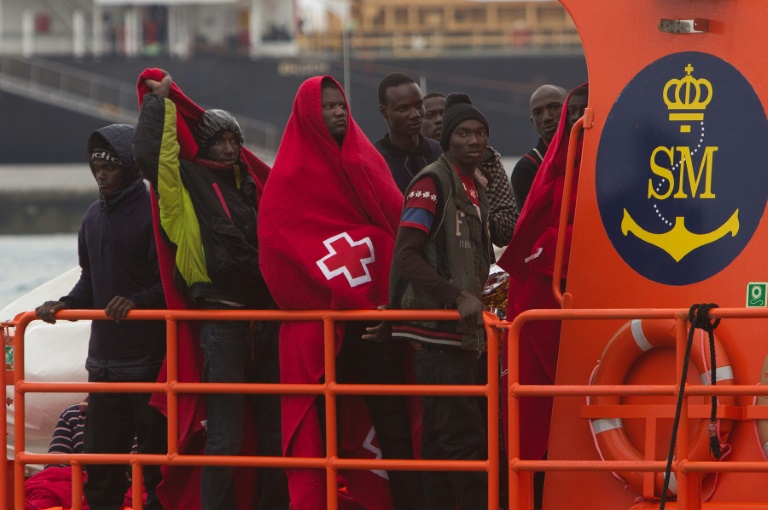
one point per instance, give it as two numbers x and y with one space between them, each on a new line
404 148
119 273
208 212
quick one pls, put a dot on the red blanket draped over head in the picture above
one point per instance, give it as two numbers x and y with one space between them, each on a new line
327 226
529 260
180 486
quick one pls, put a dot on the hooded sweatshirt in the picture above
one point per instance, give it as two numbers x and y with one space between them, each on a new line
117 255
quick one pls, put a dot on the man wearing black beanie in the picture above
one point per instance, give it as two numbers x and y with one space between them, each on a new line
502 217
458 108
441 259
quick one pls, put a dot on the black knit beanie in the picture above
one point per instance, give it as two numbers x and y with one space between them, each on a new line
458 108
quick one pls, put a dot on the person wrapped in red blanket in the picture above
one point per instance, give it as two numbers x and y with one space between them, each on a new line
529 260
207 187
328 221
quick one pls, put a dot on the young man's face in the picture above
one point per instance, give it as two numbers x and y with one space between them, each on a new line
432 125
334 112
404 110
546 107
576 106
224 148
468 143
108 175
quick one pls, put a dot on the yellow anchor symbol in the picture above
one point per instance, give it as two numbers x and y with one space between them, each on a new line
679 241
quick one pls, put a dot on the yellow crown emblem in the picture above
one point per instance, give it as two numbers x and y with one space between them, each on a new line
687 94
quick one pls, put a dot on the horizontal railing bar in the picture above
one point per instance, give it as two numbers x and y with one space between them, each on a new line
251 388
253 461
258 315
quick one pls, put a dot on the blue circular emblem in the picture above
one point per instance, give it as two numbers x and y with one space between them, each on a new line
682 168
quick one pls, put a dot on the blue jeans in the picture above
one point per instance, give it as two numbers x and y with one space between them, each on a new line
234 354
226 347
112 421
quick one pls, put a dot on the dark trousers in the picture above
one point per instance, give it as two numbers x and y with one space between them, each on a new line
233 353
272 482
112 421
453 429
366 362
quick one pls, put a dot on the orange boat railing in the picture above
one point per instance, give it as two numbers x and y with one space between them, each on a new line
688 473
173 388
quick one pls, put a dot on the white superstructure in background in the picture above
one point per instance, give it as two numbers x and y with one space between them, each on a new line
100 28
53 353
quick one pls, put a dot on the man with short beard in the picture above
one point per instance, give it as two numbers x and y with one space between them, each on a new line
546 104
404 148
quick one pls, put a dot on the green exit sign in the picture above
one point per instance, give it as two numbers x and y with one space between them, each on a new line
756 294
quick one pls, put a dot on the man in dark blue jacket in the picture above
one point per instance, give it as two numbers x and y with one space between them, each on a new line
404 148
119 273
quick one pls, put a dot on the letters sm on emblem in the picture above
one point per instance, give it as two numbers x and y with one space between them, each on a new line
349 258
678 174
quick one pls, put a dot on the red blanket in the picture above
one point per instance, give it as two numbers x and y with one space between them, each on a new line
180 487
327 226
52 488
530 284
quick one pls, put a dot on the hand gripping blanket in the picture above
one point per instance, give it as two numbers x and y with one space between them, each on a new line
180 488
327 225
529 260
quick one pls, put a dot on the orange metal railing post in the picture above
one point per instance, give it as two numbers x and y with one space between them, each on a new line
513 416
77 485
171 379
331 452
570 163
4 486
19 412
137 485
492 394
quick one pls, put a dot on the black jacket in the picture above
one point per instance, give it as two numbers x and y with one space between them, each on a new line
207 212
404 165
525 172
118 257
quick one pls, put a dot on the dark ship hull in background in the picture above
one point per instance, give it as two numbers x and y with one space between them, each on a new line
264 89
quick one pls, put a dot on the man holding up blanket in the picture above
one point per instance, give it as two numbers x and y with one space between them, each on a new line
208 212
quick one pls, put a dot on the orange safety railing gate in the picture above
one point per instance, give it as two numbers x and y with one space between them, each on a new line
173 388
688 473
